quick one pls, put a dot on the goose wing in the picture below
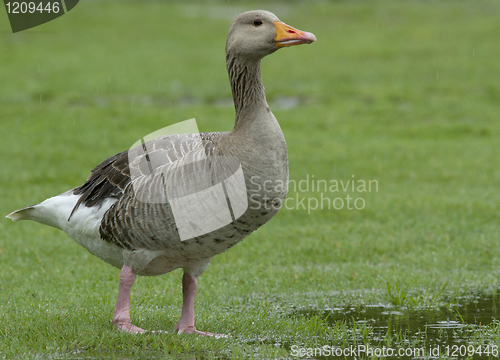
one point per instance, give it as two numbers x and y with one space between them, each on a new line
110 178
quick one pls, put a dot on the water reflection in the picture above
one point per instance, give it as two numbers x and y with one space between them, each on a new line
437 324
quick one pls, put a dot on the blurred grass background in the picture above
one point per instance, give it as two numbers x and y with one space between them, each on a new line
404 93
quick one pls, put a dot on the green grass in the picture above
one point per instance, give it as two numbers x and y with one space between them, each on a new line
404 93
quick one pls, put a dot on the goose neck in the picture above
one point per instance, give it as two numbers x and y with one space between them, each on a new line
247 88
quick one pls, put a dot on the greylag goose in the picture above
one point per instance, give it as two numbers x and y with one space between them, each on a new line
127 213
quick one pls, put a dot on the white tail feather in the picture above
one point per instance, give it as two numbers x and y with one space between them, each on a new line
21 214
56 211
53 212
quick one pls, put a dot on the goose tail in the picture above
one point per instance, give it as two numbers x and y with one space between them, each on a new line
35 213
53 212
25 213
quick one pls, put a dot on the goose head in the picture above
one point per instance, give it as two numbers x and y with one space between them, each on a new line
257 33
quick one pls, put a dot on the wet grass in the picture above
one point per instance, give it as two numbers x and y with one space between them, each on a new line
402 93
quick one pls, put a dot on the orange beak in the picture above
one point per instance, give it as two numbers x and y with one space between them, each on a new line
288 36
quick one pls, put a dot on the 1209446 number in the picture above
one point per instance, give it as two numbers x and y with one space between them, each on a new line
23 7
471 350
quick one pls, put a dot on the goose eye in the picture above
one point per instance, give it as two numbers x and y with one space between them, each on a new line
257 22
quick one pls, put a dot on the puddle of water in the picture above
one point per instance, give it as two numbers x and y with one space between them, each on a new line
285 102
437 325
224 102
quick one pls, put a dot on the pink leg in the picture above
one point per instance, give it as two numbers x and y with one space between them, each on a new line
186 323
121 316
